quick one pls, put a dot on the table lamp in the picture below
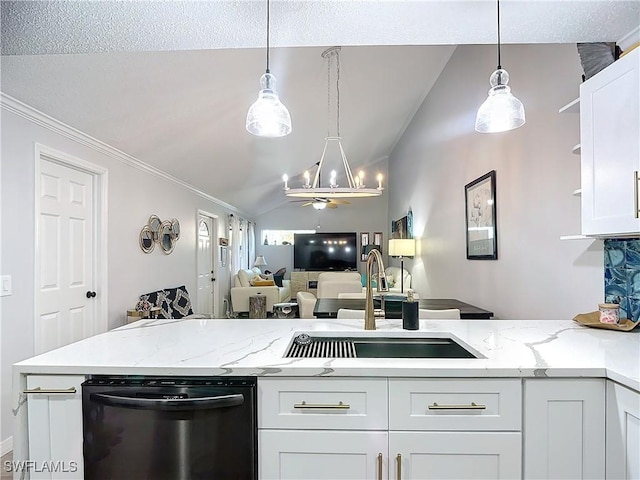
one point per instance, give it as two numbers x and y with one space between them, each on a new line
260 262
402 247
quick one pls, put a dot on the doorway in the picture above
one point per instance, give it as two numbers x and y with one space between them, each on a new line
70 256
206 281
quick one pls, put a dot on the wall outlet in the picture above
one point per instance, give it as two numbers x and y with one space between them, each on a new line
5 285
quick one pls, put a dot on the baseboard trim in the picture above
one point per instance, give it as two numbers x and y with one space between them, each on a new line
6 446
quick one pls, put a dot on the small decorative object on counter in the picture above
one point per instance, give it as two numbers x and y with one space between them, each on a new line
609 312
410 318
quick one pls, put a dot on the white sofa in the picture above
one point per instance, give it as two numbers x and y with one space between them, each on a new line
242 290
332 283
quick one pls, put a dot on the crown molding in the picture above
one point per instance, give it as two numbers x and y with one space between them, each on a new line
27 112
630 39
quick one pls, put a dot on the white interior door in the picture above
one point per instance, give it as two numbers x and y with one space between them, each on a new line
206 275
66 256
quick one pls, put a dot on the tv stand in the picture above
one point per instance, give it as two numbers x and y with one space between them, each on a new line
301 282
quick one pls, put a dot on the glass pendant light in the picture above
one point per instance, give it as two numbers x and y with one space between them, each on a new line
501 111
268 117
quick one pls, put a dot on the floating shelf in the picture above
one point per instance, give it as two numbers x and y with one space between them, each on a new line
577 193
573 107
576 150
576 237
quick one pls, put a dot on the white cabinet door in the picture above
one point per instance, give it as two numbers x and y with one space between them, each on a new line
609 126
322 455
55 426
564 428
454 455
623 433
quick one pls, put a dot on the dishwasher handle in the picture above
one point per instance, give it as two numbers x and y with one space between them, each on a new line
168 404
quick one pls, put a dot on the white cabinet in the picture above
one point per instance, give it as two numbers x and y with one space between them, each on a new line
322 454
455 428
564 428
55 426
322 428
378 428
623 433
454 455
610 149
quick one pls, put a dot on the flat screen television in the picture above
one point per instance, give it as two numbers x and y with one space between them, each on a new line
325 251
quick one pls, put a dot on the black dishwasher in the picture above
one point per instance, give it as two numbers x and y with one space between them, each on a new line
170 428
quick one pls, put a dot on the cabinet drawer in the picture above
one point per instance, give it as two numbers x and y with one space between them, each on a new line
323 403
456 404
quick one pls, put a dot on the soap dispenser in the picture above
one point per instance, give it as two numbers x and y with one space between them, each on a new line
410 317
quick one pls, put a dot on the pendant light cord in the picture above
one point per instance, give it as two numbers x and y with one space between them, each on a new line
268 37
499 64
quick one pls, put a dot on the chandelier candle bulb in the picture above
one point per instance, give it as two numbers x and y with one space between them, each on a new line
609 312
285 179
379 181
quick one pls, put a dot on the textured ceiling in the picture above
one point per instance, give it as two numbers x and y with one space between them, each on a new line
170 82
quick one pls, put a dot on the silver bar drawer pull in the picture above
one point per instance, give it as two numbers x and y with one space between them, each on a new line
339 405
471 406
48 391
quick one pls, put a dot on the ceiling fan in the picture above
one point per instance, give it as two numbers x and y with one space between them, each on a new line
321 203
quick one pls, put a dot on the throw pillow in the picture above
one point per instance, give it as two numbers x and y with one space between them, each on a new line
390 281
374 283
159 299
245 277
278 279
179 301
263 283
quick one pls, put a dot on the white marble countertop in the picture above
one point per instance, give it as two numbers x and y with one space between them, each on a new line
522 348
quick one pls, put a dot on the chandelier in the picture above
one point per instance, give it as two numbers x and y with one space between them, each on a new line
356 184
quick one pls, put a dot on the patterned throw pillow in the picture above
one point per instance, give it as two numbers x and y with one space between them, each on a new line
179 302
158 299
173 302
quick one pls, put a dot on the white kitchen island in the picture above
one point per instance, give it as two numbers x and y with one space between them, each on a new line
538 379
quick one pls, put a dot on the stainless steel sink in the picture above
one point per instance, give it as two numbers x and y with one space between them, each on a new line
343 345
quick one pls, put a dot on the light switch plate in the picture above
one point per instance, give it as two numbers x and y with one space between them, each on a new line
5 285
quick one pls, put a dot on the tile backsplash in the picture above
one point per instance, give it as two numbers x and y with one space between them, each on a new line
622 275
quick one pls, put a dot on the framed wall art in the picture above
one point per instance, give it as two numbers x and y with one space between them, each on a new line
399 228
480 208
364 241
377 240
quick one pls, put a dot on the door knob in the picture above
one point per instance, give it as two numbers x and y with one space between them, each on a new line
91 294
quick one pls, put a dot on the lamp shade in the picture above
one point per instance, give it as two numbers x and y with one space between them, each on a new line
501 111
268 117
260 261
402 247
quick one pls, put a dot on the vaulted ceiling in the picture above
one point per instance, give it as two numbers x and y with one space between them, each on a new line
170 82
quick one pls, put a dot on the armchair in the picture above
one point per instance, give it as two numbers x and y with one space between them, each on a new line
393 279
243 289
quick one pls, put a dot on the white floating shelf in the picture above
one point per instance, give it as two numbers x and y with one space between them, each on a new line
576 150
576 237
573 107
577 193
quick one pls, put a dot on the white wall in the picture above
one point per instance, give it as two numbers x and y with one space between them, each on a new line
536 276
362 215
133 195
